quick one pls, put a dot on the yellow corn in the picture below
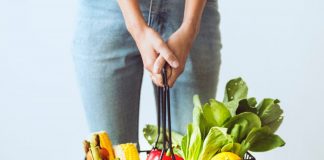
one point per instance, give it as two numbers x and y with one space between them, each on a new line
126 151
105 143
94 149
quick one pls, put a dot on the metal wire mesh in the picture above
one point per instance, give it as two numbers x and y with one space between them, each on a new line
248 156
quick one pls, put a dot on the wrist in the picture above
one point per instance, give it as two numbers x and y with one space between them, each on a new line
190 28
136 28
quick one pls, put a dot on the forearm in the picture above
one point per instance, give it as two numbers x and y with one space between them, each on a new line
192 14
133 17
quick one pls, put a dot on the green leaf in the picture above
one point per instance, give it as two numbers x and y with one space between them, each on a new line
184 145
195 144
227 147
213 143
247 105
262 139
186 141
247 122
232 106
196 101
216 113
274 125
270 113
236 131
236 89
200 121
150 134
244 147
178 151
236 148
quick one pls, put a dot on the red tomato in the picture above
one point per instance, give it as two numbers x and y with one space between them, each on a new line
155 155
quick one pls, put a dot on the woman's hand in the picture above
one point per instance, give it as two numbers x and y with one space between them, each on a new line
151 45
148 41
180 42
153 49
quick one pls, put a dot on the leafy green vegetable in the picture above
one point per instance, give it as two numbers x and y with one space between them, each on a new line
237 148
216 113
236 131
262 139
236 89
232 106
196 101
227 147
274 125
213 143
247 121
178 151
200 121
150 134
270 113
186 141
195 144
184 146
237 124
247 105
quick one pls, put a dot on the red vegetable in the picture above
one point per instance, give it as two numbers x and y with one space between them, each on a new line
155 155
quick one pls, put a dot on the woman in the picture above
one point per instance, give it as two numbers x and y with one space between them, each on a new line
114 42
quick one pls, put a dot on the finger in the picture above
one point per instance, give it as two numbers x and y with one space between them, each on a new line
175 74
169 71
171 81
161 47
148 61
158 65
157 79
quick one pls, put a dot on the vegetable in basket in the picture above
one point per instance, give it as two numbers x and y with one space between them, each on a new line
101 148
232 127
155 154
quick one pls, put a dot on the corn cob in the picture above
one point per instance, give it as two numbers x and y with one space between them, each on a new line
126 151
105 143
94 148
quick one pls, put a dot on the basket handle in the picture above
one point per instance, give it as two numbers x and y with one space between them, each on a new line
164 115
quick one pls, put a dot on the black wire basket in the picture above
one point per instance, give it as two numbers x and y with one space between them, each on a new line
248 156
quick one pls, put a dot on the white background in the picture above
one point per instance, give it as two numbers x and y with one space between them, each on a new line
277 46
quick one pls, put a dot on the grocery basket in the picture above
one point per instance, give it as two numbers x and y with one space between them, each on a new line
163 116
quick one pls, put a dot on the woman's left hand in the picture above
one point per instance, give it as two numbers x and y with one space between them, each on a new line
180 42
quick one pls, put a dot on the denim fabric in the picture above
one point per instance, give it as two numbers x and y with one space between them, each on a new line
110 70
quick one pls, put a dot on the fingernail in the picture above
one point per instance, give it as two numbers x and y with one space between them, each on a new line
175 64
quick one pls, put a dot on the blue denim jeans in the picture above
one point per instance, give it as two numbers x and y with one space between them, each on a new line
109 67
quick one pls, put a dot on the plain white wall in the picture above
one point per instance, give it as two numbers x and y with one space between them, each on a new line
276 46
